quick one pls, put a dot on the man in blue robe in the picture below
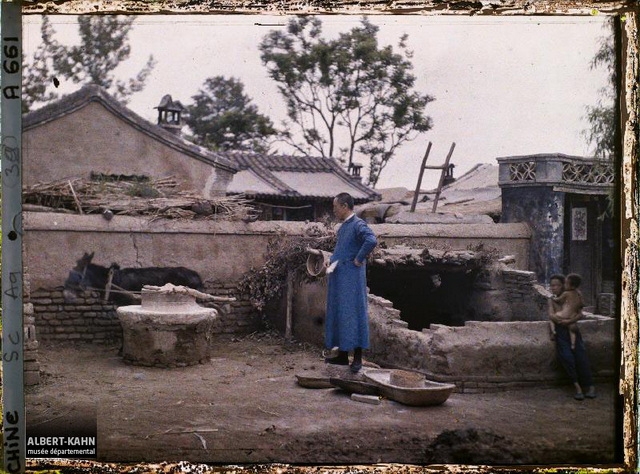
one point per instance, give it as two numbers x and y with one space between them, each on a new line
347 320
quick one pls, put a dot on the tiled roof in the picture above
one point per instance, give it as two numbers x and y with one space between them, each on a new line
293 176
92 93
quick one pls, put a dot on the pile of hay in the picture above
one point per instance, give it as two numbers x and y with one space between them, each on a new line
134 196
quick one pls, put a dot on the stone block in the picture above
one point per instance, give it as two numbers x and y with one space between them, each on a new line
370 399
32 366
31 345
31 378
400 323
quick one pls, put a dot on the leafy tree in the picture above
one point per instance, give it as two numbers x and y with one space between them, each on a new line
345 96
601 117
103 46
222 117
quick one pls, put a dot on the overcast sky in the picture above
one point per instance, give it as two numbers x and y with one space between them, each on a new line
503 86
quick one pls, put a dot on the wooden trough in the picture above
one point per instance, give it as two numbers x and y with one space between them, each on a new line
427 393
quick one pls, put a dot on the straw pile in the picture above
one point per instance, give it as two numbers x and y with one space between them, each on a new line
160 199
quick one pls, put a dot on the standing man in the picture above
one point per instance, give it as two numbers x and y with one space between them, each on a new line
347 320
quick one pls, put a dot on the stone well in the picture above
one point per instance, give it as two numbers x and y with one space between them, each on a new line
169 329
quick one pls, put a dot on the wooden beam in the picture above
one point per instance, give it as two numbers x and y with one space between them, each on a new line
415 195
444 170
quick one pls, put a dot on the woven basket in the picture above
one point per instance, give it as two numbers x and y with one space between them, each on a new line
404 378
317 264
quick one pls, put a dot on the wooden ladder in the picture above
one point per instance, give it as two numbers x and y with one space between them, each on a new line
440 183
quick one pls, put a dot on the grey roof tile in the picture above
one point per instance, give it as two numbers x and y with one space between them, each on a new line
296 176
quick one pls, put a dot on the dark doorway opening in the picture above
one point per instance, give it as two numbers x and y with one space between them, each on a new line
421 301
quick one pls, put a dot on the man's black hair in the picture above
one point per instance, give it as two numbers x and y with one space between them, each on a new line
345 198
557 277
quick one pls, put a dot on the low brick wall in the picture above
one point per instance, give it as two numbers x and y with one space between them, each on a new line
90 320
236 317
87 320
499 294
483 355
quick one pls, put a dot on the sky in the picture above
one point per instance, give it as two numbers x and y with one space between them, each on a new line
503 86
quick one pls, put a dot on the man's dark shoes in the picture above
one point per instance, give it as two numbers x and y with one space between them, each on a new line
341 359
356 365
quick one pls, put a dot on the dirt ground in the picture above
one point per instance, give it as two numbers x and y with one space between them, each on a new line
245 406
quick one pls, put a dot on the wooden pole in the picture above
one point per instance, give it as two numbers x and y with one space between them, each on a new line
444 171
75 197
415 195
289 322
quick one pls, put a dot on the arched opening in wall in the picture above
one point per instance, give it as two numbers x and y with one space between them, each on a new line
425 296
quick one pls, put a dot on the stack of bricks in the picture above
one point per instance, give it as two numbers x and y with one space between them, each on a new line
606 304
30 345
519 284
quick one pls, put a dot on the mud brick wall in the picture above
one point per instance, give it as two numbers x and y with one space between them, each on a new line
221 252
483 356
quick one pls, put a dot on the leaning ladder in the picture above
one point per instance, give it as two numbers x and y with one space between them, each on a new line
440 183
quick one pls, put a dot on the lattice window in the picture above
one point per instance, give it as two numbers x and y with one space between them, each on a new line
525 171
597 173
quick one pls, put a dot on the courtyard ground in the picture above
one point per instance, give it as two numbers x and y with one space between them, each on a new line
245 406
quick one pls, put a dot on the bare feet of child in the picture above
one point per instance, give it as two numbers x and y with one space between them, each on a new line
578 395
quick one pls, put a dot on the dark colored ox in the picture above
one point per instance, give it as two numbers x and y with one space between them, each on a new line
87 276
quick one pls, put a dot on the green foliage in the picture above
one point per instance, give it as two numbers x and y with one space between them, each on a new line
345 96
286 255
601 117
104 45
222 117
